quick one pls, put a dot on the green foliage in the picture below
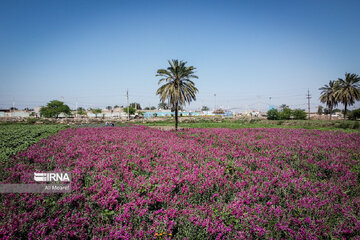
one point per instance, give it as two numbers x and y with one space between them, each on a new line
81 111
31 120
163 106
273 114
96 111
326 111
178 88
348 91
152 108
329 95
345 91
204 108
355 114
283 106
299 114
54 108
320 110
109 108
135 105
285 113
18 137
131 110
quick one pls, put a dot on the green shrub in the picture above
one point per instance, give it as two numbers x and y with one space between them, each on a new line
280 122
31 120
355 114
273 114
299 114
285 114
356 125
344 125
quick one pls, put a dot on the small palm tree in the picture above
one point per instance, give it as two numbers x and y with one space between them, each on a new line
349 90
178 88
328 95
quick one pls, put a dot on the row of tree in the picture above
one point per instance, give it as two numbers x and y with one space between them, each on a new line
55 107
286 113
345 91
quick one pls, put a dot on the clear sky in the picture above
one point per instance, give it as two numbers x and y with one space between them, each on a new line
245 52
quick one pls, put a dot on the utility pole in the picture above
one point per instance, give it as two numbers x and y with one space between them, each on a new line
308 96
128 107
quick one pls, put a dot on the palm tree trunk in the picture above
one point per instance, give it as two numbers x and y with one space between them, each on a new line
176 116
345 110
330 112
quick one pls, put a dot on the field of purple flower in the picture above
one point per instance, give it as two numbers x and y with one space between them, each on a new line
141 183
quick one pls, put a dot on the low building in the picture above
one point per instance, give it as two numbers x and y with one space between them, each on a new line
168 113
14 113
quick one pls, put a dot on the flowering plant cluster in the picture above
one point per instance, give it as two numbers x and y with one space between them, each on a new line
141 183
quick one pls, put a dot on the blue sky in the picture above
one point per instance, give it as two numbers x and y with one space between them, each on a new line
245 52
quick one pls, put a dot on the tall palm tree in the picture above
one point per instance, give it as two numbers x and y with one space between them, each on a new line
178 87
328 95
349 90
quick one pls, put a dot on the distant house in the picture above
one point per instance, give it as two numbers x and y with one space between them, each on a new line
167 113
14 113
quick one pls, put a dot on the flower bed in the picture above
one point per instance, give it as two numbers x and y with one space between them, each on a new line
136 183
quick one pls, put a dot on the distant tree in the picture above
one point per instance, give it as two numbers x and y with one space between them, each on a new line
180 108
146 108
163 106
349 90
135 105
283 106
28 109
81 111
328 95
204 108
152 108
299 114
131 110
96 111
273 114
54 108
285 113
178 88
326 111
320 110
13 108
354 114
109 108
